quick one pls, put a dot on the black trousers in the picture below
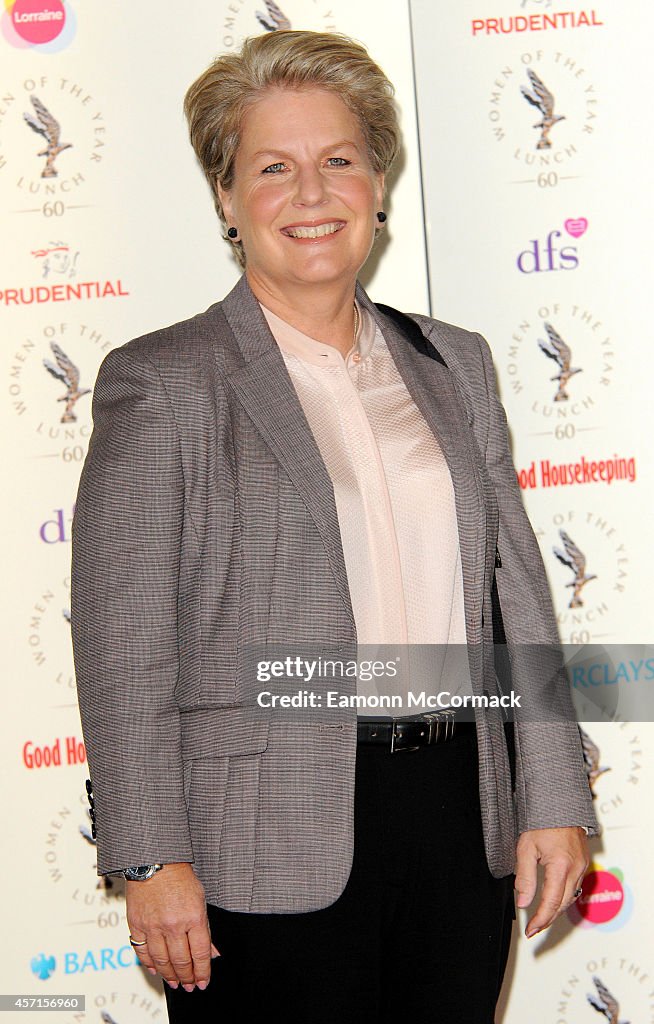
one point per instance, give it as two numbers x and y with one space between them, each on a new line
420 933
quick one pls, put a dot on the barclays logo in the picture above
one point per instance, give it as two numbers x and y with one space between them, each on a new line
43 966
89 961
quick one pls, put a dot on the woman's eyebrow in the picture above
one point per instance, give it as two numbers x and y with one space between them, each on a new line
272 151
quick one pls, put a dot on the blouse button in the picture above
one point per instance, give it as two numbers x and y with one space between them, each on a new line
356 358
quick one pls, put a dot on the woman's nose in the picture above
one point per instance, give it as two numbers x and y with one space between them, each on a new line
310 186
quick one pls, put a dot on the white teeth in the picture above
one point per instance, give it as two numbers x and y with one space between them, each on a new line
315 231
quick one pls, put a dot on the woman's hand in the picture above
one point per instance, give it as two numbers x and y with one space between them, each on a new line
169 911
563 853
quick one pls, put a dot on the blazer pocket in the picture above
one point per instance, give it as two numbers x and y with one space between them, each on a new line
223 812
224 732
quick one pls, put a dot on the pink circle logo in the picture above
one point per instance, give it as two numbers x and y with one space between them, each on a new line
602 896
48 25
38 21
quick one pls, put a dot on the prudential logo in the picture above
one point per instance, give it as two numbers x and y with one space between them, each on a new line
44 25
555 252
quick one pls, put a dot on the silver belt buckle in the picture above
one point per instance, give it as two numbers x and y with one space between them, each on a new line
450 724
442 725
394 736
434 719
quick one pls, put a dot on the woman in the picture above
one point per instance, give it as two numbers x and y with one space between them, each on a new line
296 470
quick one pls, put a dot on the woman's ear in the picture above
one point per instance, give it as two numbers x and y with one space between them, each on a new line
225 198
380 182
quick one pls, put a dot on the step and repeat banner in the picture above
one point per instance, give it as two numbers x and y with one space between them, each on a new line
519 208
536 163
109 231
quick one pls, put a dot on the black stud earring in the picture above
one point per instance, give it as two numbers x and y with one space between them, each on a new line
381 217
232 232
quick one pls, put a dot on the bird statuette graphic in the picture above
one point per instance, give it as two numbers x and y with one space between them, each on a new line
605 1003
275 19
542 99
107 1018
44 124
557 350
546 3
67 372
591 760
574 559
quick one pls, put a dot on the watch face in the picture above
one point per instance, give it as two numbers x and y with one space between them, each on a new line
138 874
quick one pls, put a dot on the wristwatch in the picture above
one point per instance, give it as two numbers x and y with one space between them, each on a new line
140 874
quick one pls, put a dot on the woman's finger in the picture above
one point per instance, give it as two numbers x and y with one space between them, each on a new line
142 952
181 960
199 942
161 958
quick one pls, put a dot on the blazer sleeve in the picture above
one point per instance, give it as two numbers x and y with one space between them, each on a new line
126 542
551 784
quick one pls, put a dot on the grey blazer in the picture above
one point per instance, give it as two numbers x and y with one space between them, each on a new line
205 521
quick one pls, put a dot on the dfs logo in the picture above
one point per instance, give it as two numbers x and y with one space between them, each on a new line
549 255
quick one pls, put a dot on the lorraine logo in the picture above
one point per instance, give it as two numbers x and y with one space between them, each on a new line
558 87
43 966
559 368
542 257
605 902
251 16
45 25
587 564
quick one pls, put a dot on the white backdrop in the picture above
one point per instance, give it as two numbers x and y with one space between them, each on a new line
124 239
491 195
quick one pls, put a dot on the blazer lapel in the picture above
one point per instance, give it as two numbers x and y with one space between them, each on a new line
265 390
432 387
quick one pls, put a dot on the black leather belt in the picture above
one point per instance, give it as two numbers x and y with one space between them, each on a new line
411 733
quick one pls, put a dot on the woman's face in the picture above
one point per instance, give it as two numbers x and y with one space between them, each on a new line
305 196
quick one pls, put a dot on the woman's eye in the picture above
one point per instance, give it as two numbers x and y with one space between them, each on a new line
273 168
338 161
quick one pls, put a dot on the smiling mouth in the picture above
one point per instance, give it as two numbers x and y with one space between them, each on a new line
313 230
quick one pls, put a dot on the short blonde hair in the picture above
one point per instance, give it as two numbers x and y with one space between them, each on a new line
217 101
